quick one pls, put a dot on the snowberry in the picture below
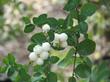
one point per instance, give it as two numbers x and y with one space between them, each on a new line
37 49
46 46
32 56
44 55
46 28
39 61
63 37
56 37
60 39
64 44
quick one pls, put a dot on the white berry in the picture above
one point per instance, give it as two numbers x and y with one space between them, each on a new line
64 44
46 46
63 37
32 56
56 37
46 28
37 49
40 61
44 55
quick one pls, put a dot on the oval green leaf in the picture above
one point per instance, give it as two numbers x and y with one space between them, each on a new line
11 71
86 47
29 28
71 4
41 20
38 38
83 27
87 10
68 59
54 59
83 70
31 46
51 77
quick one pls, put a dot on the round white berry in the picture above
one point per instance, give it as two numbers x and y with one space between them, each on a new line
63 37
44 55
40 61
32 56
56 37
37 49
46 46
64 44
46 28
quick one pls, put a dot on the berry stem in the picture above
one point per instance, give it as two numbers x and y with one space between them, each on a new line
74 63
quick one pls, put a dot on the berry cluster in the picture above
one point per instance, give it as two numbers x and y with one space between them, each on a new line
40 53
60 40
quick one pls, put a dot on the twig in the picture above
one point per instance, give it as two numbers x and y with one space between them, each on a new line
74 63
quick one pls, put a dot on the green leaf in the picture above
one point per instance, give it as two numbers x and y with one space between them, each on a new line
68 22
83 27
37 78
11 59
52 22
83 70
57 48
17 66
86 47
41 20
26 20
72 39
61 22
39 68
88 61
51 77
29 28
72 79
11 71
51 35
87 10
5 61
54 59
68 59
31 46
24 76
38 38
3 69
74 13
71 4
